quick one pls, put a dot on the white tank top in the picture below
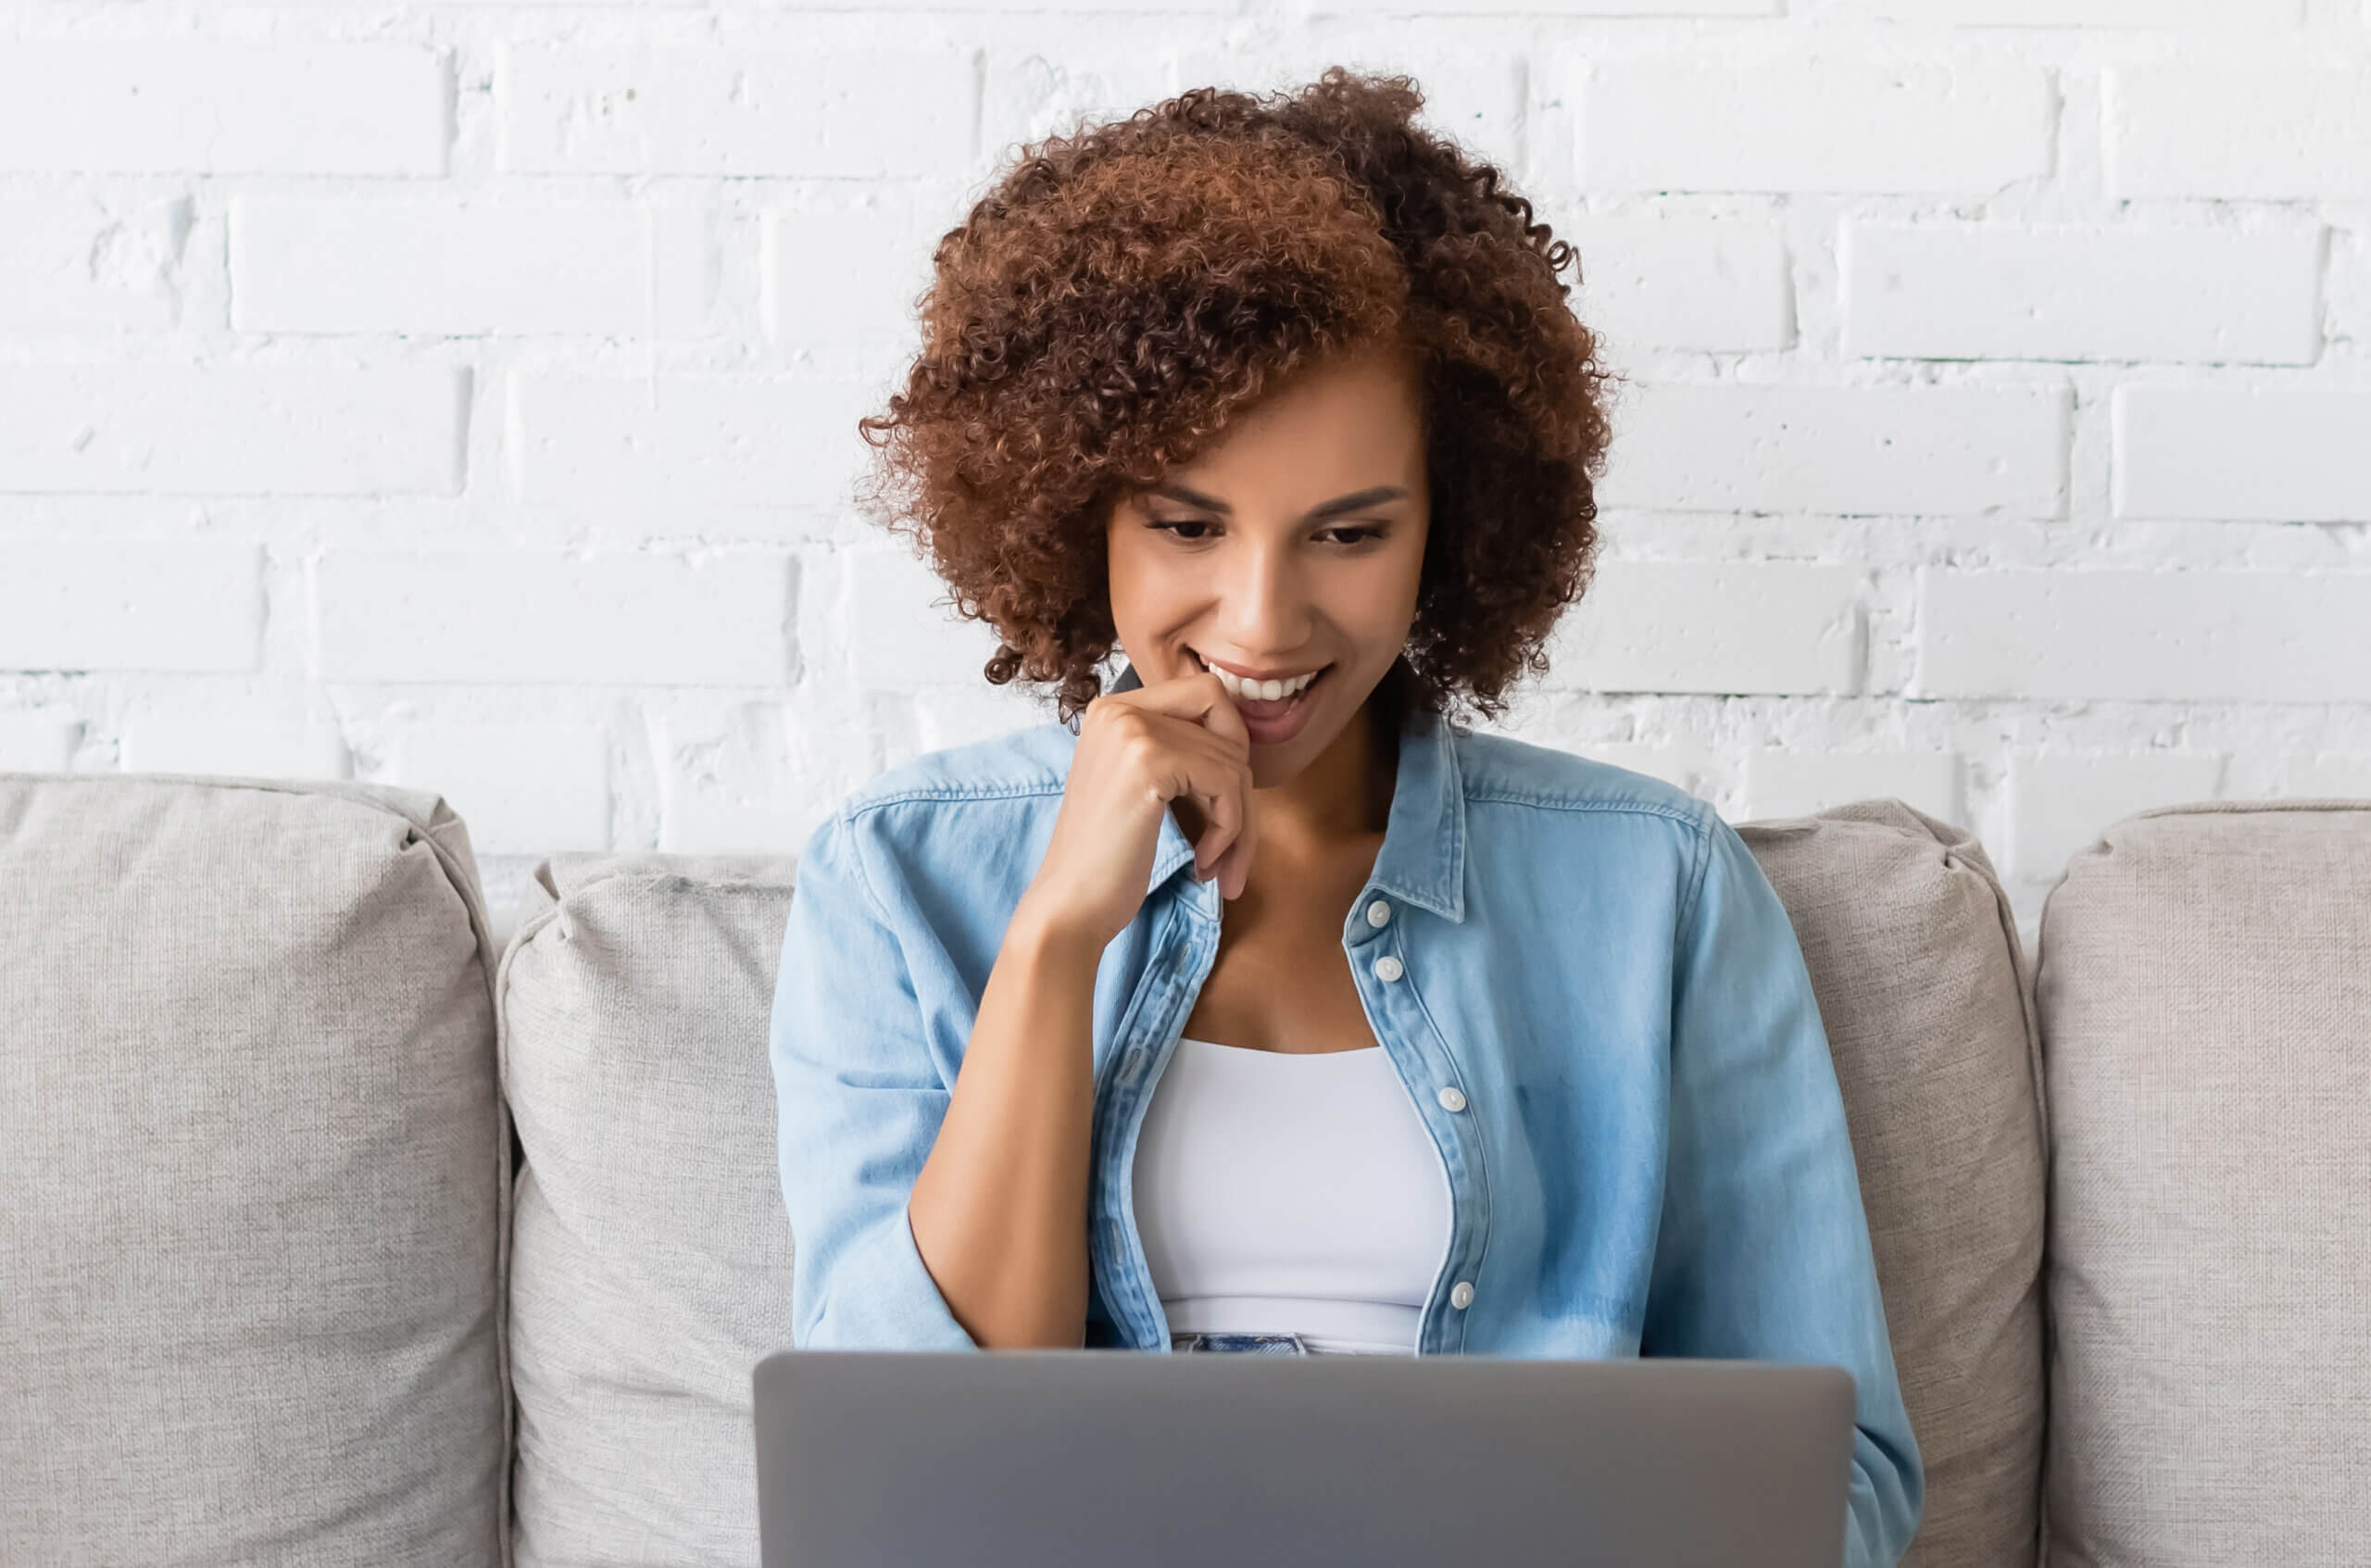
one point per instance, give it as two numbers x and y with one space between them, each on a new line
1290 1194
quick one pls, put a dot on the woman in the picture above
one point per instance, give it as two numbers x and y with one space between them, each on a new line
1449 1044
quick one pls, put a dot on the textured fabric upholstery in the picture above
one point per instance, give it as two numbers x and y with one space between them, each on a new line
652 1260
1928 1000
254 1162
2205 991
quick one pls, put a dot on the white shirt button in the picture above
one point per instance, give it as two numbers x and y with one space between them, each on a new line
1379 913
1460 1294
1387 968
1450 1099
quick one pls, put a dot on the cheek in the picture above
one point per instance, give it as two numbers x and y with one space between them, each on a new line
1380 601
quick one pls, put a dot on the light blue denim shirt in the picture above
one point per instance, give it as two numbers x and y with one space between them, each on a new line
1646 1149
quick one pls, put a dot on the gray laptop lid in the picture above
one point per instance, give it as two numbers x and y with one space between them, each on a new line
1052 1457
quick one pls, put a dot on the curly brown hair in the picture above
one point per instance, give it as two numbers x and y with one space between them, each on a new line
1124 291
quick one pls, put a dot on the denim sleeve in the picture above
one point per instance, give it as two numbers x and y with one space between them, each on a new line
859 1101
1763 1250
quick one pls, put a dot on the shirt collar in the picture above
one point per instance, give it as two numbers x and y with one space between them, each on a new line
1423 857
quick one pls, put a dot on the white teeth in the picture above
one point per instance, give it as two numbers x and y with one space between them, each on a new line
1261 691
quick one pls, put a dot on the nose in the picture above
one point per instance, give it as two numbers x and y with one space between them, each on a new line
1264 611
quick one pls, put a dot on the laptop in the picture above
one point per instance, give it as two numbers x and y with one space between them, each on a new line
1049 1459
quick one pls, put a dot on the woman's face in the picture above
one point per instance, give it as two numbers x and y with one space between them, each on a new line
1294 543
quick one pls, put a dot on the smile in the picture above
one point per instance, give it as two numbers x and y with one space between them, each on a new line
1261 691
1269 721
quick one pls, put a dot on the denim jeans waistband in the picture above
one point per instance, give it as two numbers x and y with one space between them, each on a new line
1247 1343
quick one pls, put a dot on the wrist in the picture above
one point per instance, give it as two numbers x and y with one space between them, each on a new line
1042 933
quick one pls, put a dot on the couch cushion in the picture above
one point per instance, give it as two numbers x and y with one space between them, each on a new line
1928 1000
253 1161
2205 987
651 1265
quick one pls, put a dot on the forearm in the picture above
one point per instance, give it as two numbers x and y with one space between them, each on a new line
1000 1210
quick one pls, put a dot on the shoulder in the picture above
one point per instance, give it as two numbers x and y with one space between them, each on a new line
1500 770
1541 811
1027 764
950 816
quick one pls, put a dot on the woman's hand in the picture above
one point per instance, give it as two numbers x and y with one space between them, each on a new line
1138 751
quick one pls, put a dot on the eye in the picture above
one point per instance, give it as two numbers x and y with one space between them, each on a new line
1352 537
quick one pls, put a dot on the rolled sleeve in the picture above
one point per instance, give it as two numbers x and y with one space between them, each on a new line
1763 1251
858 1100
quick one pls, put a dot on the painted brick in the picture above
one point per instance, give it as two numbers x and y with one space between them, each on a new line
677 441
1974 290
1791 781
736 111
219 233
156 604
541 617
221 107
2289 130
1671 283
1908 450
1685 764
1563 8
39 742
2253 16
314 265
1815 124
1728 628
956 715
933 644
1474 83
233 429
2060 804
520 788
1028 94
67 262
2245 453
2329 776
844 277
730 782
2151 636
182 741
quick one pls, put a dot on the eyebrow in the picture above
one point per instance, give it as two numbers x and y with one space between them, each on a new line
1356 501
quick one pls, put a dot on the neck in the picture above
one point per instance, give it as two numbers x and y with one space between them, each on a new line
1343 796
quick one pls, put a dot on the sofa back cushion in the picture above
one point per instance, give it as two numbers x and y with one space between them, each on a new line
253 1158
651 1264
1928 1000
2206 985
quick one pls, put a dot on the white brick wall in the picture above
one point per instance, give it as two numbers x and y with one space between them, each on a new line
2216 294
463 395
1931 450
2285 125
2288 453
1804 120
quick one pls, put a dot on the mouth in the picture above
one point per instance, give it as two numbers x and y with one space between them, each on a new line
1270 719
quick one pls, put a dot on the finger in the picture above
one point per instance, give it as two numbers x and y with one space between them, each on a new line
1186 764
1226 803
1229 855
1235 868
1199 699
1250 835
1222 808
1222 720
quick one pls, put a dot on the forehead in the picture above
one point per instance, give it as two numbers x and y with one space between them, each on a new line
1345 416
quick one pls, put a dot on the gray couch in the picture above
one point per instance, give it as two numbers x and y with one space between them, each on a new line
333 1235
